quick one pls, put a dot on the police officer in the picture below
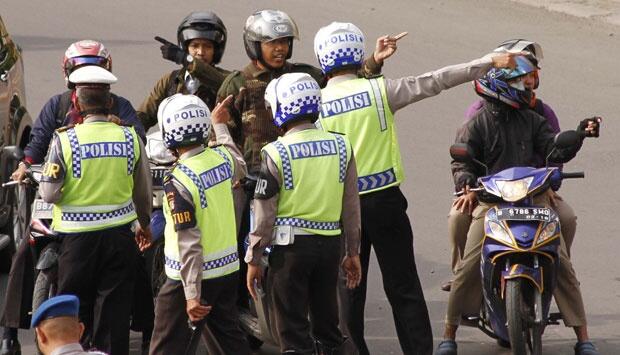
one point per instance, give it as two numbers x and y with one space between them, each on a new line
201 260
363 110
98 179
306 187
201 40
59 111
58 328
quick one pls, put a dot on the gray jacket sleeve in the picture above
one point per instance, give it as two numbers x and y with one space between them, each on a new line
50 186
142 189
264 214
190 250
407 90
351 215
223 137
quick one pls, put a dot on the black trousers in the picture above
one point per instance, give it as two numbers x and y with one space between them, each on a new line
99 267
386 227
18 298
172 334
304 279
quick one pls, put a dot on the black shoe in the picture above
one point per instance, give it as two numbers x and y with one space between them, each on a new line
583 348
503 343
10 347
447 286
446 347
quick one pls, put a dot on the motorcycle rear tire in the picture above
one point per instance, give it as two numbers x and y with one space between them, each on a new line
44 288
517 328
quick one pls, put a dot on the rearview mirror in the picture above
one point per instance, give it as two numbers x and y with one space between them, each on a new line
13 152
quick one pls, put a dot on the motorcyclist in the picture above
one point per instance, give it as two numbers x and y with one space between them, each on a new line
201 38
60 110
506 133
363 110
459 217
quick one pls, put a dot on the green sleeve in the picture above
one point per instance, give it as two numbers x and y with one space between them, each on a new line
147 112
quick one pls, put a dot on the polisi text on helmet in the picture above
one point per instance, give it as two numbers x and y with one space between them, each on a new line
185 114
302 86
342 37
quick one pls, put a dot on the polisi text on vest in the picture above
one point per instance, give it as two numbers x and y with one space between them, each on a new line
103 150
345 104
313 149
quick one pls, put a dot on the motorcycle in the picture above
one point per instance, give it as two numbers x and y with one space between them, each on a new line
42 238
520 252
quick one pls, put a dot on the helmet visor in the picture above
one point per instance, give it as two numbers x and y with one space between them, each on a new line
524 66
74 62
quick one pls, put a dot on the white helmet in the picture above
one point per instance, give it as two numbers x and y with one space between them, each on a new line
92 75
339 45
183 120
292 95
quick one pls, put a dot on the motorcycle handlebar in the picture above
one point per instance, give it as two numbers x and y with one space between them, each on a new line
575 175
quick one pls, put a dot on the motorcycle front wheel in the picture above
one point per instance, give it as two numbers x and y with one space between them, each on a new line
516 317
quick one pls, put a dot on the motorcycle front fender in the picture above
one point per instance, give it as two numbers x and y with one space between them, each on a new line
534 276
48 257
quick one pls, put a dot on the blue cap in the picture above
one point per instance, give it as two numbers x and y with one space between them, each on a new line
59 306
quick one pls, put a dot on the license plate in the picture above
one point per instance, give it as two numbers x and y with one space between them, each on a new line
42 209
158 175
524 214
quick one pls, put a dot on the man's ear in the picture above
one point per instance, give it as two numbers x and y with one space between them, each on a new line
41 337
82 327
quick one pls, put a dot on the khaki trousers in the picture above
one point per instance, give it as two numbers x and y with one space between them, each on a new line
466 291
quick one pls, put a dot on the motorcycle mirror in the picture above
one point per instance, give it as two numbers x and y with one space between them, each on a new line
13 152
461 152
566 139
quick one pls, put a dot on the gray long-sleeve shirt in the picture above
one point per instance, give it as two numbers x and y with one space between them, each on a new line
190 249
265 209
407 90
51 188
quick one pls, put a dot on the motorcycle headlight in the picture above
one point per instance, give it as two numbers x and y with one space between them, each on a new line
514 190
500 234
548 232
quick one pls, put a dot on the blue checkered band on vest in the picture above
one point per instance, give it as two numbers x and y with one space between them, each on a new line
342 154
302 223
287 171
219 151
209 265
94 216
76 158
130 152
196 180
342 57
302 106
375 181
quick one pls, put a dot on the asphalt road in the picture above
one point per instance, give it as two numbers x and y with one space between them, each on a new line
579 79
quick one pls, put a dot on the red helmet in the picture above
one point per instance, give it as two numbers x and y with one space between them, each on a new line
86 52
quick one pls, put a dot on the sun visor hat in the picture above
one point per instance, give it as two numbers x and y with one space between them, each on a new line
92 74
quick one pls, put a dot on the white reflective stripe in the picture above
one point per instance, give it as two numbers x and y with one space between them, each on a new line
376 90
95 208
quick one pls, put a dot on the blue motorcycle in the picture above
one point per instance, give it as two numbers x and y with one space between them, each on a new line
520 252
